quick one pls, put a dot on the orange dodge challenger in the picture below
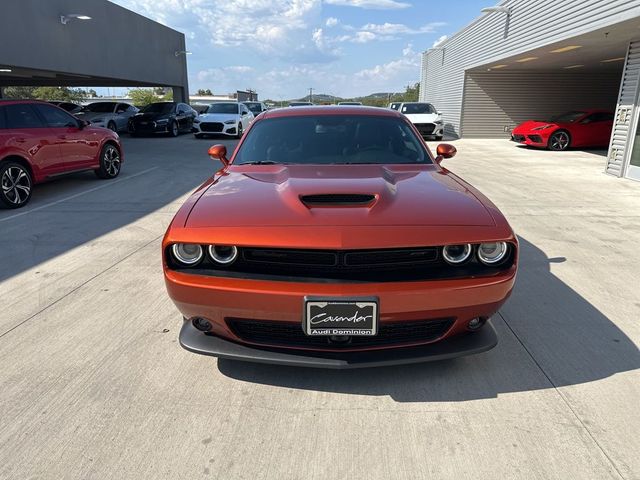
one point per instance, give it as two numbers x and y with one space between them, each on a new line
333 238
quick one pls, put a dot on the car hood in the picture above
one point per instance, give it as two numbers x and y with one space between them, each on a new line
149 116
275 196
422 117
529 125
217 117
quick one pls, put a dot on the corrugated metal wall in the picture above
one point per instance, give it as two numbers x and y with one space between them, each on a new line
495 102
627 102
533 24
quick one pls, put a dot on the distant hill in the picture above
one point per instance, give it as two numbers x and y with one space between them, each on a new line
372 99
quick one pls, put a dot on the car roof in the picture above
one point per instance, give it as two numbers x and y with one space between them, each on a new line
330 110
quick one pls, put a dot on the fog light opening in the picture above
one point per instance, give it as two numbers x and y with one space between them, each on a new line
201 324
476 323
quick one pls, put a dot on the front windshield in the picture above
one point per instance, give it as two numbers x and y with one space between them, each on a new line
158 108
223 108
418 108
332 139
254 107
568 117
100 107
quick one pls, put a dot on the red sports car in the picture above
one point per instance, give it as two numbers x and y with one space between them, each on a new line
333 238
40 141
580 128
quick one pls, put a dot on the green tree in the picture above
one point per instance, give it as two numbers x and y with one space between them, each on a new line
18 93
142 96
65 94
204 92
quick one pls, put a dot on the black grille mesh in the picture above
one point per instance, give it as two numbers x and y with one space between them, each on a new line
287 334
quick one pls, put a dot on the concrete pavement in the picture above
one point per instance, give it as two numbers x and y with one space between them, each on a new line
94 384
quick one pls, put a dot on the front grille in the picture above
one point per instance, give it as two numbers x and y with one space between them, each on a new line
214 127
337 199
331 266
518 138
425 128
287 334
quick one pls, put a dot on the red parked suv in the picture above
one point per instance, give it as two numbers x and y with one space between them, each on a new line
39 141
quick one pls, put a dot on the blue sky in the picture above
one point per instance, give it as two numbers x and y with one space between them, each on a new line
282 47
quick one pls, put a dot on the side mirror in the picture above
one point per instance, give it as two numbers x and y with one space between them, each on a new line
219 152
445 150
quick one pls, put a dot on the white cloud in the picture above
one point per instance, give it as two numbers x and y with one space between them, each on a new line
439 41
371 4
408 63
332 22
274 25
385 31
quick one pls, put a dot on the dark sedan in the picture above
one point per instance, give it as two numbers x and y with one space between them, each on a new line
163 117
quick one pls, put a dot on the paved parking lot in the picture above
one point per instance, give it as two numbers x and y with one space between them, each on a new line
95 385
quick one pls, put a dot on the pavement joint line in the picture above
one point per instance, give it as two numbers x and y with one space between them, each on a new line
73 290
99 187
564 399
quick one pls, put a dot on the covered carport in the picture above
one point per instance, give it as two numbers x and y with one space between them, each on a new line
88 44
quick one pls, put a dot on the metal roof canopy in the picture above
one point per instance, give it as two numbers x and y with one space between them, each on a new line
116 47
603 44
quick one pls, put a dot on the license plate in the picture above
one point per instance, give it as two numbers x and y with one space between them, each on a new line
353 317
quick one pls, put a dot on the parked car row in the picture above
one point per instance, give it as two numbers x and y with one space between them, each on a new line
40 141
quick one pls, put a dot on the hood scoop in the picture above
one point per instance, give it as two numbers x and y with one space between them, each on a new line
338 200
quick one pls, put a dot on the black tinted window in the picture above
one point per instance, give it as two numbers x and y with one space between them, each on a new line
231 108
3 121
332 139
56 118
418 108
22 115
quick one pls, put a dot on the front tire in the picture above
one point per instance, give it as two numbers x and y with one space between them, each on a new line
110 163
15 185
559 141
174 130
240 131
112 126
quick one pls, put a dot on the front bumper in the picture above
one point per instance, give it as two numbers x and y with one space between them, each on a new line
532 139
430 129
149 127
215 128
468 344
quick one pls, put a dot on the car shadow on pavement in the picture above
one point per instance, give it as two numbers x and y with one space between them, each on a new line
549 335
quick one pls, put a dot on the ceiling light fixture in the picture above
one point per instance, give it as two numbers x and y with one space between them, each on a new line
566 49
64 19
5 70
526 59
573 66
182 52
502 65
609 60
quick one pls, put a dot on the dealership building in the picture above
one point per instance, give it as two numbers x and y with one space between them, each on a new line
533 59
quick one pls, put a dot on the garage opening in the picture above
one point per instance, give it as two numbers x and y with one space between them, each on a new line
581 73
